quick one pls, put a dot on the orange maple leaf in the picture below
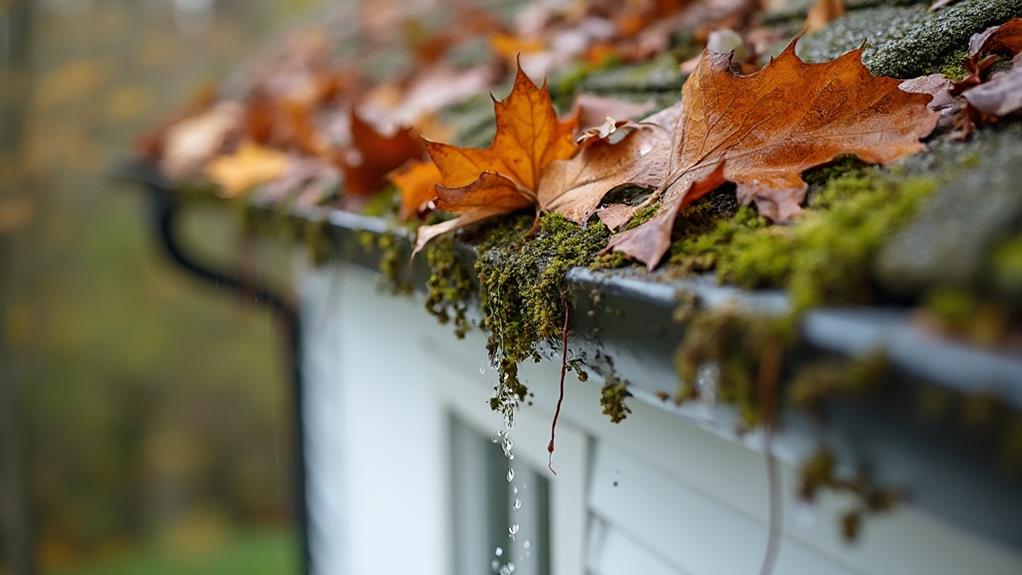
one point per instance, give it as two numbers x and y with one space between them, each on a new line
479 183
416 181
763 130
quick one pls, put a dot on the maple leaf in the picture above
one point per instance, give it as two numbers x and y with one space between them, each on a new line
763 130
372 155
416 181
575 187
249 166
479 183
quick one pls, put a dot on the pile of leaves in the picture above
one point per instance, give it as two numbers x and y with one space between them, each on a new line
713 178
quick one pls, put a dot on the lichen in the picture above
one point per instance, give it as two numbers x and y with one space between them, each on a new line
450 287
523 290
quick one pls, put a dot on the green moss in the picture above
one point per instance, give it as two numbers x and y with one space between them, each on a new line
966 314
612 399
954 65
317 240
450 287
385 203
737 344
824 256
395 260
1007 266
642 215
819 473
522 290
909 41
816 383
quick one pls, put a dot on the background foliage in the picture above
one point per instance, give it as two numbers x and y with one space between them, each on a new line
145 413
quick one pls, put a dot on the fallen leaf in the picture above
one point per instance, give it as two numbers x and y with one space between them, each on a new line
823 12
309 179
416 181
767 128
249 166
188 144
479 183
372 155
575 187
1001 95
986 48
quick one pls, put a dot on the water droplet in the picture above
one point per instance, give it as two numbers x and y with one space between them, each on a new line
518 503
482 371
513 530
515 489
495 565
510 474
527 545
498 552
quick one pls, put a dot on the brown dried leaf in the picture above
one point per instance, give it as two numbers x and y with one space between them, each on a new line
373 155
768 127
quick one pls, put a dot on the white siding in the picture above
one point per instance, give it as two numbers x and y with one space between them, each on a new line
383 379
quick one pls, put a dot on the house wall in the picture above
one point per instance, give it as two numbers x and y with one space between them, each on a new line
656 494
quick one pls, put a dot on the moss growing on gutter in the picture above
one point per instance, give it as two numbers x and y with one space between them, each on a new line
819 473
737 344
394 263
824 256
523 290
450 287
814 384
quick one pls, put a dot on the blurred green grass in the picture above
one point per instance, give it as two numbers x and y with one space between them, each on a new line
257 553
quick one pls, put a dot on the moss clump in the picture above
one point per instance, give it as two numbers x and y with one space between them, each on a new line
642 215
816 383
317 239
394 255
737 344
819 473
612 399
825 256
909 41
522 290
385 203
967 315
450 287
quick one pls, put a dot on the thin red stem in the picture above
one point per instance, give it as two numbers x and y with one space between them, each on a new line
560 397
